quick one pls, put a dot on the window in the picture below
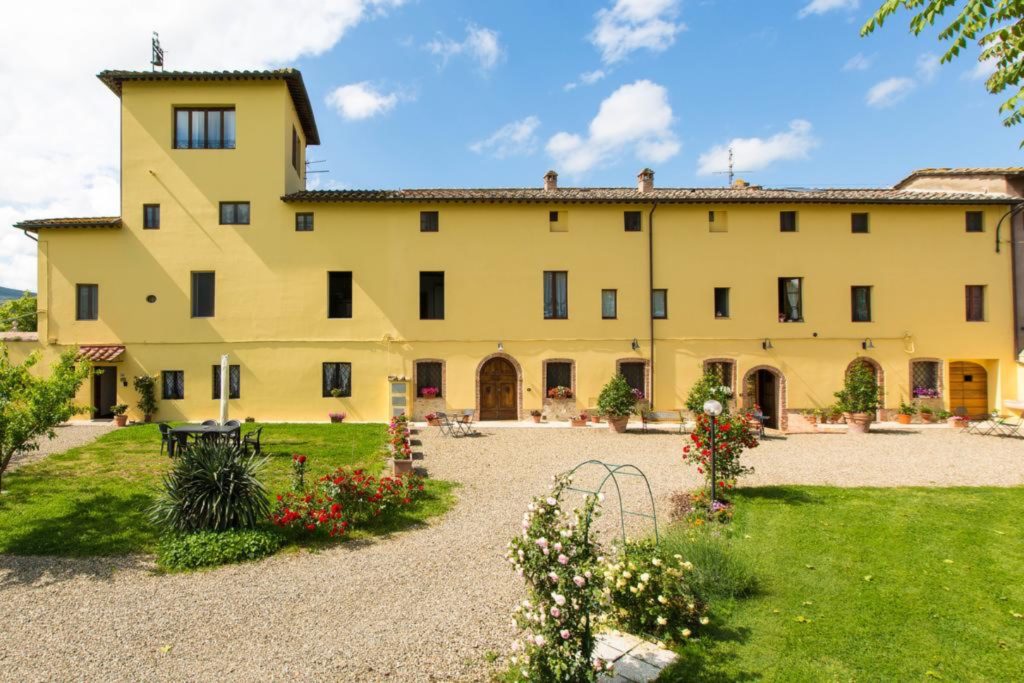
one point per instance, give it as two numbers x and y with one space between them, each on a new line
553 216
631 221
557 374
609 304
558 221
304 222
88 302
296 157
975 303
721 302
717 221
337 380
556 294
431 296
203 286
975 221
722 370
234 381
234 213
634 372
428 221
858 222
339 295
204 128
791 309
173 384
924 377
860 304
429 374
787 221
150 216
659 303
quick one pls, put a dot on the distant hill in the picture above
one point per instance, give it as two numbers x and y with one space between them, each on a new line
8 293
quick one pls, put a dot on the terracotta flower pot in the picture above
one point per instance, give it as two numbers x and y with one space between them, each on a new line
400 467
120 420
579 422
596 419
859 423
536 418
957 422
434 422
617 423
903 419
927 417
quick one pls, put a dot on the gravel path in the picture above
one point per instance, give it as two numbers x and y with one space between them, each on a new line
67 436
424 605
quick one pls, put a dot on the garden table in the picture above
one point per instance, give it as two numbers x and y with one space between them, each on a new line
181 433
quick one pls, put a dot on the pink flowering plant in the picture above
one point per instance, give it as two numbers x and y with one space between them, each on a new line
557 558
648 593
399 442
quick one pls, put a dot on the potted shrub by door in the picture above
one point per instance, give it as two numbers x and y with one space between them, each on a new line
858 399
145 387
536 415
617 402
905 412
120 412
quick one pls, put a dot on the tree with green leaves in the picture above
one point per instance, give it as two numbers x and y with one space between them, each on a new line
20 313
30 406
997 26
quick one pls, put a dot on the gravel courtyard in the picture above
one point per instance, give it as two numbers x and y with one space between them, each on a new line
423 605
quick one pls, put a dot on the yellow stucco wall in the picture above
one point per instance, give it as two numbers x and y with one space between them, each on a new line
271 281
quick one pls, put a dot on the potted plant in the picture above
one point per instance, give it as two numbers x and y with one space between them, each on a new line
958 422
337 417
536 415
905 412
595 417
560 393
400 445
811 416
617 402
942 415
337 393
579 420
858 399
927 414
120 412
432 420
250 419
145 386
429 392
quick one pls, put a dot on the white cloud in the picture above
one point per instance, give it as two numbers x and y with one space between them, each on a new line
358 101
481 44
512 139
753 154
927 67
890 91
631 25
824 6
983 69
636 117
59 136
586 78
858 62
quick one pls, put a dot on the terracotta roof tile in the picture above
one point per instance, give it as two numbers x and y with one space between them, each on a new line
85 222
673 195
101 353
293 77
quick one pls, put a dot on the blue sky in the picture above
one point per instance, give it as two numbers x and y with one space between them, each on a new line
420 93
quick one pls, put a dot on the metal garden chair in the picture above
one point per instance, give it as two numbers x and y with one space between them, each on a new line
252 440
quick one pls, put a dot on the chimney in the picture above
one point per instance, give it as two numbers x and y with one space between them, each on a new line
645 181
550 181
740 184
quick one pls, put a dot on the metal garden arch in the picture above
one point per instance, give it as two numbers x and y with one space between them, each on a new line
613 472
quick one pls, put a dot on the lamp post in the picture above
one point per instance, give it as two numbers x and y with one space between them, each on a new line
713 409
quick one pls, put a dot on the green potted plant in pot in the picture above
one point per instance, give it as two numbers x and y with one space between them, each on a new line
927 414
120 412
617 402
858 399
536 415
145 387
905 412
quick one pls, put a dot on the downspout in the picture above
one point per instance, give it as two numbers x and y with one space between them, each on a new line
650 288
34 239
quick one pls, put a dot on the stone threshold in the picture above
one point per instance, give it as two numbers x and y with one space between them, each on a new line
635 660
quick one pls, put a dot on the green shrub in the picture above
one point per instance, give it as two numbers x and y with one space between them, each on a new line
708 387
145 387
860 390
212 486
179 552
616 398
718 572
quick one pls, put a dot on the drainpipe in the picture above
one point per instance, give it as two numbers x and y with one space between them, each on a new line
650 288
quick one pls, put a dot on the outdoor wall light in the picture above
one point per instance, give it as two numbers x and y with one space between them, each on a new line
712 408
867 344
635 344
124 380
767 344
501 347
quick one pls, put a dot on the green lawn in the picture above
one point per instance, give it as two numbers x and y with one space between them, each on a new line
870 584
92 500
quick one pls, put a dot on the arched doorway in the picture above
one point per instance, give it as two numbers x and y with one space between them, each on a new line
968 389
498 389
765 387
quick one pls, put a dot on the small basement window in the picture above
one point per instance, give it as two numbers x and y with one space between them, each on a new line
975 221
859 223
632 221
558 221
429 221
787 221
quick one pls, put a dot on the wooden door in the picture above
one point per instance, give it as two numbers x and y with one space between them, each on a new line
767 397
634 372
498 391
968 389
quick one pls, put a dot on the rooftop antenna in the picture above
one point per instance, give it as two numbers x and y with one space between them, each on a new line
157 60
731 172
320 161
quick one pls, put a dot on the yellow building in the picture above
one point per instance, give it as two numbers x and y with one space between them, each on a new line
494 296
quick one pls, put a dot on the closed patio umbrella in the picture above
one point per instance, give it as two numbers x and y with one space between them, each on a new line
224 388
